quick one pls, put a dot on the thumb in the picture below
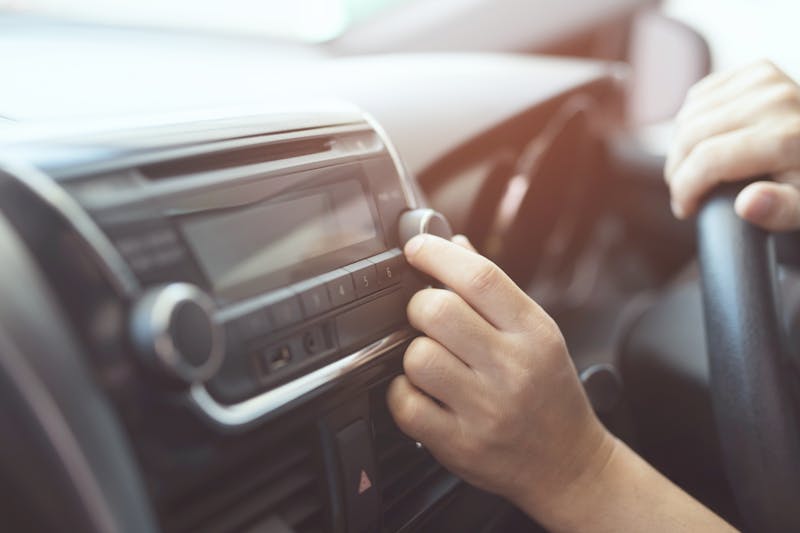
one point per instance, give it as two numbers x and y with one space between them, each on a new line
773 206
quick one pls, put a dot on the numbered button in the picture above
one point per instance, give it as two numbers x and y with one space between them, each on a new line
314 297
389 266
284 308
365 277
341 288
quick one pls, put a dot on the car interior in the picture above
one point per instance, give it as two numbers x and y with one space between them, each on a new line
203 291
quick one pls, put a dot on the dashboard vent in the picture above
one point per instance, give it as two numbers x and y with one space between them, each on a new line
270 492
235 157
411 481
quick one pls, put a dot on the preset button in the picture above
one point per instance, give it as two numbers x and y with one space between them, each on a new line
313 297
365 277
341 288
390 266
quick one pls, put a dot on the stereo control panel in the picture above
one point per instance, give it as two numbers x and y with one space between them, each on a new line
255 267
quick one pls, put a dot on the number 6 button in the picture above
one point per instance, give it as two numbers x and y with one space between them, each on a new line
390 266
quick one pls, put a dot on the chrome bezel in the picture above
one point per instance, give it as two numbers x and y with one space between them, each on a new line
251 410
166 301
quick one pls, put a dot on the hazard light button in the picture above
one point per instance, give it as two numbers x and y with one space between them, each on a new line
357 461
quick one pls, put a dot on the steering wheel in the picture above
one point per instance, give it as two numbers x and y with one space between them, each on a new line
753 383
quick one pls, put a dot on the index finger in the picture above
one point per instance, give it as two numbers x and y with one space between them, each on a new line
481 283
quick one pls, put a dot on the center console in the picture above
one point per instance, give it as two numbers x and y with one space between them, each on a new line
240 289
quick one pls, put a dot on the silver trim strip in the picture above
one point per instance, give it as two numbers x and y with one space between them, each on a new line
187 147
60 201
249 411
402 171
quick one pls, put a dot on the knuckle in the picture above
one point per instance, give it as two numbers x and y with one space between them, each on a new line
705 150
702 157
419 356
524 314
485 278
473 447
553 339
784 93
765 63
406 413
436 305
425 307
789 141
546 335
766 69
690 102
793 127
694 92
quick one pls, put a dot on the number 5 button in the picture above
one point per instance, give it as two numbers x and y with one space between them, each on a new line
365 277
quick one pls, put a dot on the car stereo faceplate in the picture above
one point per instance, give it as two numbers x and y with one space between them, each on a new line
257 265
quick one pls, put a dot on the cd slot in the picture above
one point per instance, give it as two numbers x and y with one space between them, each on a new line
247 155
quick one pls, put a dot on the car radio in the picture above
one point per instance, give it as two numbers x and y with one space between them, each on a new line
259 263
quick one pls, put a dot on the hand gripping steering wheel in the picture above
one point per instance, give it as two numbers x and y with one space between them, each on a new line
753 383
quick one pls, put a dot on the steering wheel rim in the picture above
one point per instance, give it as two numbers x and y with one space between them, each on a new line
752 378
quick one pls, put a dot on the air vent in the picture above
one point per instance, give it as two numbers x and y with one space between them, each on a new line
270 492
235 157
411 481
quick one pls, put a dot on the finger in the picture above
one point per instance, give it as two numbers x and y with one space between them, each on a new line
476 279
724 86
773 206
417 415
713 81
434 370
725 118
792 177
728 157
443 315
463 241
734 91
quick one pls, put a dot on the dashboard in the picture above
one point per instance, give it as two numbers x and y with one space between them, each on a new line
203 297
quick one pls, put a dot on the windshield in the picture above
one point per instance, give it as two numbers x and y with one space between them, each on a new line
304 20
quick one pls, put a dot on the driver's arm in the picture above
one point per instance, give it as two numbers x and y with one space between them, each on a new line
491 391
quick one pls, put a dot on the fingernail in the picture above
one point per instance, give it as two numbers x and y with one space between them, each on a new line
761 205
413 245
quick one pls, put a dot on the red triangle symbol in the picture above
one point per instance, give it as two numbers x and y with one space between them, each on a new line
364 483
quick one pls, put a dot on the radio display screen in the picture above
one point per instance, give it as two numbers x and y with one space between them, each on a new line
245 251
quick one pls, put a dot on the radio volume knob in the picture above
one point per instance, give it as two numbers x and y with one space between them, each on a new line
422 220
174 330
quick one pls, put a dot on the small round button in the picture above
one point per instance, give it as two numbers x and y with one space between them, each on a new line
423 220
174 331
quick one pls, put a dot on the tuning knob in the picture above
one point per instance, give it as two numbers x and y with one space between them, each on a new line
423 220
174 331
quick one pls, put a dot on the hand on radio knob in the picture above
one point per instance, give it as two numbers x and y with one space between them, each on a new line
489 388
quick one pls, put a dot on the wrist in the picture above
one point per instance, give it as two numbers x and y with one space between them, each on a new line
624 493
576 503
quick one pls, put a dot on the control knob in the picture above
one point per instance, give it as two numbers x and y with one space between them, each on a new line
174 330
423 220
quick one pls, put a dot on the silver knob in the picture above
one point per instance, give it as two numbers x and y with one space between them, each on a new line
174 330
423 220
